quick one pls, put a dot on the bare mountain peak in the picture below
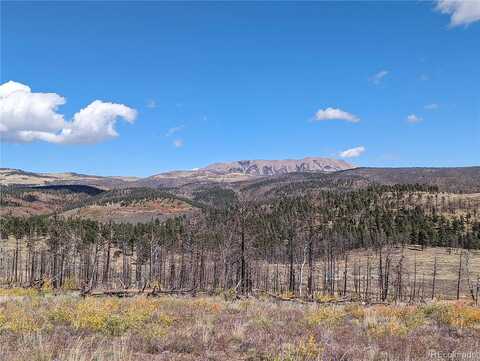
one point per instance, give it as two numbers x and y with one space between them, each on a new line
260 167
217 172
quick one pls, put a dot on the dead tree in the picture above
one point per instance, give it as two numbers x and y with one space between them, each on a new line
459 278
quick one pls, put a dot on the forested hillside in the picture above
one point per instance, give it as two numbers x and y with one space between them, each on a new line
296 243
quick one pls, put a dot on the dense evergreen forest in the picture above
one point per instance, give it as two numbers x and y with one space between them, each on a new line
298 244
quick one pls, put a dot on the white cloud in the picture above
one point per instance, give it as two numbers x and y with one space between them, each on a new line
352 153
432 106
424 77
20 109
174 130
178 143
413 118
462 12
377 78
26 116
335 114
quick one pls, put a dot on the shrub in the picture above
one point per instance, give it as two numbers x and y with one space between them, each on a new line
288 295
69 284
92 314
329 316
390 328
17 319
457 315
18 292
47 286
306 350
309 349
356 311
61 313
392 320
109 316
321 298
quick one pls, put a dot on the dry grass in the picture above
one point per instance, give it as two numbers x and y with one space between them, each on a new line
447 268
452 205
140 211
44 203
39 326
446 277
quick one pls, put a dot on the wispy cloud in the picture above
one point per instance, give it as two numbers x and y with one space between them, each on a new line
335 114
151 103
353 152
413 118
378 77
178 143
174 130
462 12
431 106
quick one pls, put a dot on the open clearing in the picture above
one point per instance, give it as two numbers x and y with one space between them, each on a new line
38 326
412 258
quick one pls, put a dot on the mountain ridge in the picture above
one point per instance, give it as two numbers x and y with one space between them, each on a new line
215 172
262 167
236 175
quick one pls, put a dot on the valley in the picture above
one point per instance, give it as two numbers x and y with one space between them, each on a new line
369 249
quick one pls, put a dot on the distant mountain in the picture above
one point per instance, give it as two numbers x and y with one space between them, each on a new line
276 167
264 175
183 192
242 170
223 172
9 176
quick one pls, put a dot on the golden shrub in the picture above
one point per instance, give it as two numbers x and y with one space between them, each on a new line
356 311
61 313
391 328
109 316
18 292
69 284
306 350
458 315
399 320
288 295
321 298
93 314
165 320
47 285
201 304
328 316
139 311
309 349
3 320
17 319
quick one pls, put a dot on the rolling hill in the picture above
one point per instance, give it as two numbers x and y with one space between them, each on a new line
181 192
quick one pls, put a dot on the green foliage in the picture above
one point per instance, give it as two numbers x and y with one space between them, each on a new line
216 196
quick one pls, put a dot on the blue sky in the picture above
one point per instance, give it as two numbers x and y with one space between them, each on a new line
397 83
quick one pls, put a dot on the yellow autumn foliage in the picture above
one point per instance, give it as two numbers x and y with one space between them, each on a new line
329 316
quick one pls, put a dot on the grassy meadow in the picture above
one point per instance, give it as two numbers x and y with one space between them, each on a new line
39 326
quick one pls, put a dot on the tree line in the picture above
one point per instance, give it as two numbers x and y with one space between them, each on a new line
301 245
